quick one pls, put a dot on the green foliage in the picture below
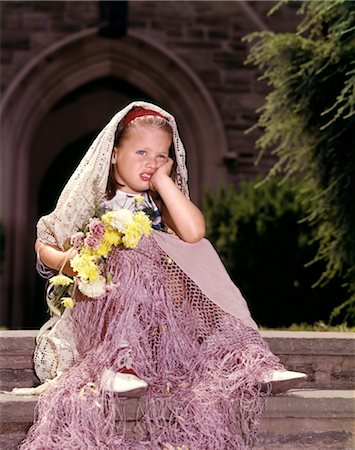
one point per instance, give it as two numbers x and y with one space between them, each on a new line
317 326
264 246
308 123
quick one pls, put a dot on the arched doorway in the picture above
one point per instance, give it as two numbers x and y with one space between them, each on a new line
35 98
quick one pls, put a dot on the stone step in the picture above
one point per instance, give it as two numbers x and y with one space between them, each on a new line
16 363
308 418
300 418
327 358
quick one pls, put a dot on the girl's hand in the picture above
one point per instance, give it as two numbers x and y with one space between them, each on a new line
162 171
55 258
178 212
68 255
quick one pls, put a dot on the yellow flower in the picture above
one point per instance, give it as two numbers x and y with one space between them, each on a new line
112 236
104 249
67 302
86 251
139 199
106 218
142 220
132 236
61 280
85 267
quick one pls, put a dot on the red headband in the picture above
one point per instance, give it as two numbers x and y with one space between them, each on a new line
139 112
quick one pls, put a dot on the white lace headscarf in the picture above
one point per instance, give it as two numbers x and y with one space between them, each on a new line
87 186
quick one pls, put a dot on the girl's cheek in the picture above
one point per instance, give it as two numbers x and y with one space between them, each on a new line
160 162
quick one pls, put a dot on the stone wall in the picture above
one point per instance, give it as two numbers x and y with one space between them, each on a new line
205 34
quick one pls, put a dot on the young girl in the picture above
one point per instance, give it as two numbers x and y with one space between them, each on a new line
170 323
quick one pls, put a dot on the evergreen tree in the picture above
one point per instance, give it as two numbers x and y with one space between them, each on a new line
308 123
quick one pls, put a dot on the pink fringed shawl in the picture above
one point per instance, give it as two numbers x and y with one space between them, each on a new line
202 264
177 316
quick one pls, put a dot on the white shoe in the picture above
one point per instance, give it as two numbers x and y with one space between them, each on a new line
283 375
124 384
283 380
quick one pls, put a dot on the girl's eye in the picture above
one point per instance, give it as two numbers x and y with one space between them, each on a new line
140 152
162 157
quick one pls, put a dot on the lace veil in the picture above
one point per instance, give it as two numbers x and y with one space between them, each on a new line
86 187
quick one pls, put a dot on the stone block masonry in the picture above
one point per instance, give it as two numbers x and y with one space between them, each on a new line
327 358
205 34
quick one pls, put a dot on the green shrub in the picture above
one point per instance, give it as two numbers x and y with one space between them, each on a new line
308 122
265 246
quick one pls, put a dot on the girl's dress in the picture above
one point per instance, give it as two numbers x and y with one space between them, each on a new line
173 314
177 318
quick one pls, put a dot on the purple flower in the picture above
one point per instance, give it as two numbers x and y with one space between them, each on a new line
96 228
77 240
92 241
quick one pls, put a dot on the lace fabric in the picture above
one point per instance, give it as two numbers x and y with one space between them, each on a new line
55 350
86 187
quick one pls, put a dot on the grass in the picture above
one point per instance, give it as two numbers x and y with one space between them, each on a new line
317 326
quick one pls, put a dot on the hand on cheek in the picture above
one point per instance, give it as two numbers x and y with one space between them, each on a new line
162 171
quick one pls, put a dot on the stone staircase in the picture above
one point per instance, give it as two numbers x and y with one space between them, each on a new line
319 414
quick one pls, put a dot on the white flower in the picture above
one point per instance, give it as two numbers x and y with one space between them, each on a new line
119 220
93 289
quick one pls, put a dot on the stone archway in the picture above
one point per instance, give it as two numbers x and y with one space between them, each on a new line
59 70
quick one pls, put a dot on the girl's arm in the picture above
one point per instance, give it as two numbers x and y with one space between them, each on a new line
55 258
178 212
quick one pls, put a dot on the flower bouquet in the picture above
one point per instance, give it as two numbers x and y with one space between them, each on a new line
112 229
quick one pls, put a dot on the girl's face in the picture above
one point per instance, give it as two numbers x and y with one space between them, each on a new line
138 156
